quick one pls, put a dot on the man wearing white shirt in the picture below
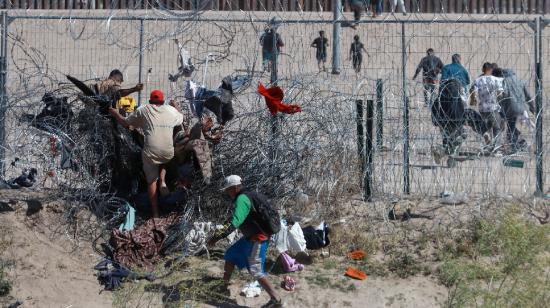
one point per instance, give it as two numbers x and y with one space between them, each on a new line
485 91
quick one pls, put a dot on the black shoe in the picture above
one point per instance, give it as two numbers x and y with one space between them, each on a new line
273 303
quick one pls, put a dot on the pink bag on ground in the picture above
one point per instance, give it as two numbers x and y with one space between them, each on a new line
289 264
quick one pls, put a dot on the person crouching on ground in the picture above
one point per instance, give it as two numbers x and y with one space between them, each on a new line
250 251
157 121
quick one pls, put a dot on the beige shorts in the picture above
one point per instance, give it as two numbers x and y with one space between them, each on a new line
150 169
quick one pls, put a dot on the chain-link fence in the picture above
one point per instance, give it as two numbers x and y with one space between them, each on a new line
317 148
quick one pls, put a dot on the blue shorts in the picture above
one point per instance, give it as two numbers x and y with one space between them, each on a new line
249 254
267 55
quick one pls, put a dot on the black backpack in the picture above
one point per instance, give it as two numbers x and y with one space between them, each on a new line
263 213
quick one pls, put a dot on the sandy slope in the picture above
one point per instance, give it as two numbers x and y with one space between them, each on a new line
372 293
47 273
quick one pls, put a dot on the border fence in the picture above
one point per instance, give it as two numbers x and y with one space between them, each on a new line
37 51
413 6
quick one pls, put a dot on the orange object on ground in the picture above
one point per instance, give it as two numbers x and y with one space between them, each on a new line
357 255
355 273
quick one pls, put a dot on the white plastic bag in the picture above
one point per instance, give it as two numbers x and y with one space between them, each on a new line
252 289
281 239
296 239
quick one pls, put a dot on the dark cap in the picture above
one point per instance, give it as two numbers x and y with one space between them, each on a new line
116 72
487 66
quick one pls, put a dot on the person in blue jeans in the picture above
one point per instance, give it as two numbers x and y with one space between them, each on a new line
249 251
376 7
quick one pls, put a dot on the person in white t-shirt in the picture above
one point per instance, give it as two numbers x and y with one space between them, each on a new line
485 92
157 121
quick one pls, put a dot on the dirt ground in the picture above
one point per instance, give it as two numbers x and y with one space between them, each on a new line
50 272
54 269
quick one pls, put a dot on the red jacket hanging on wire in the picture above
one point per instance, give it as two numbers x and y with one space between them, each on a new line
274 100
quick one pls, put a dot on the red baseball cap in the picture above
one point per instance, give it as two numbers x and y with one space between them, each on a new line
156 97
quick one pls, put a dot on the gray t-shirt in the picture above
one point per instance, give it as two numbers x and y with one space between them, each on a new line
157 123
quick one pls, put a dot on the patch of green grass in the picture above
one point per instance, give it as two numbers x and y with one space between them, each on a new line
404 265
5 264
331 264
344 240
373 268
331 281
5 283
505 264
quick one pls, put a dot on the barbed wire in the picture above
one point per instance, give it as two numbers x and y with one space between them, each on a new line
313 153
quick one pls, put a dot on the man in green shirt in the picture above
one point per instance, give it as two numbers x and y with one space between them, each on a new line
249 251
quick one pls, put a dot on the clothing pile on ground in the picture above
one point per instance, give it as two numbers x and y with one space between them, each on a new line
317 237
26 179
188 238
111 275
140 247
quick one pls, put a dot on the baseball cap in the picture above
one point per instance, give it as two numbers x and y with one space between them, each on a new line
156 97
230 181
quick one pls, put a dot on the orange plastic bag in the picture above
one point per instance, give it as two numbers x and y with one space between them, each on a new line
355 273
357 255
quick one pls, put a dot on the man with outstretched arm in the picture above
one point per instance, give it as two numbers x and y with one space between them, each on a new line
157 121
250 251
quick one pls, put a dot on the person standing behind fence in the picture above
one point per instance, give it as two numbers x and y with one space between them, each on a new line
394 3
514 102
269 49
356 53
455 70
376 7
430 66
321 44
485 92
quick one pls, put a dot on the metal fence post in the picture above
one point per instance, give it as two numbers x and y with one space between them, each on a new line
406 179
360 121
140 68
274 77
367 180
3 94
336 32
379 114
359 118
538 107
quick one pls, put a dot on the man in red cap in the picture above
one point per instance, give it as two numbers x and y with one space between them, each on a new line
157 121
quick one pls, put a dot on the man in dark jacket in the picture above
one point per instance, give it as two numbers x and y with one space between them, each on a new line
431 67
271 46
250 251
320 44
514 102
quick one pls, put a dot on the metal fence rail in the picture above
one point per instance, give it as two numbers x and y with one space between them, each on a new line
415 6
38 51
